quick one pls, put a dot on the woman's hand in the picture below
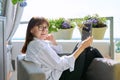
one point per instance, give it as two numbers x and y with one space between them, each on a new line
51 38
86 43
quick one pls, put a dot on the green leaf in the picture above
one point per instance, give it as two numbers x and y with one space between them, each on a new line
16 1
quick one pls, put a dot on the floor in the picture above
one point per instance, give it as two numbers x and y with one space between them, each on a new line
14 73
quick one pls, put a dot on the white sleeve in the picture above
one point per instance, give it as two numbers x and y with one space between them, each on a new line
47 56
70 60
57 48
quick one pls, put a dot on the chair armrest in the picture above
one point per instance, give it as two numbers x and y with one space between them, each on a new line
102 69
28 71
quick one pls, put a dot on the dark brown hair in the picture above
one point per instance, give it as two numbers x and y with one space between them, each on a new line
34 21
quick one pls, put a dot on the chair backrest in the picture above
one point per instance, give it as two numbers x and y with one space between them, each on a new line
103 69
27 70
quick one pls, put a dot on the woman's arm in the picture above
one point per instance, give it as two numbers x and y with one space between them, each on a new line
86 43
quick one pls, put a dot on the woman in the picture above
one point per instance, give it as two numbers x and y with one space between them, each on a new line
44 53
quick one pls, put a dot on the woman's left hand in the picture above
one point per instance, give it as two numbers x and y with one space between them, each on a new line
51 38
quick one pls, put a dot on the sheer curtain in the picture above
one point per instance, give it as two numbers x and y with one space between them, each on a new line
13 15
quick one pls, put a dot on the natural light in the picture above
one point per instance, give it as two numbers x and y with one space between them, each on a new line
70 9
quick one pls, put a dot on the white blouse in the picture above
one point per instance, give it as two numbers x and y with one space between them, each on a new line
45 55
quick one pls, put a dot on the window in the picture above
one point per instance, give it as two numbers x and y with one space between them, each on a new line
70 9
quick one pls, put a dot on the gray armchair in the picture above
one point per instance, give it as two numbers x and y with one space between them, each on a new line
100 69
28 70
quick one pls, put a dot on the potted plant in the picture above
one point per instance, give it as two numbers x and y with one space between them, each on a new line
55 24
61 28
23 3
79 22
97 23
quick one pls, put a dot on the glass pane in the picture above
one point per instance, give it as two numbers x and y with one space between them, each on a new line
20 33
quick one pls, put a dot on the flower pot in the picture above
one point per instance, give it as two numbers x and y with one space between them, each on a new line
97 33
64 34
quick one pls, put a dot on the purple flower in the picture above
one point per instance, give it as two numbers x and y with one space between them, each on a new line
95 20
91 21
23 4
65 25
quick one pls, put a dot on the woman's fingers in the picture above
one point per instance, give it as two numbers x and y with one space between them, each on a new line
87 42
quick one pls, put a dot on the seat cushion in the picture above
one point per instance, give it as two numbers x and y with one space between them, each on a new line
101 69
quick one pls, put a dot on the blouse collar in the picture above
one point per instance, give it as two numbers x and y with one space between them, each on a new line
39 39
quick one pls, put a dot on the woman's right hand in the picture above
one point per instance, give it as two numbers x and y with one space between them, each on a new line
86 43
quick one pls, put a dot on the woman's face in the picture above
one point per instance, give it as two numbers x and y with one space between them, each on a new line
40 31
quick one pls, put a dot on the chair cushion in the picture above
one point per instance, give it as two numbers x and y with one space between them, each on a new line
101 69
